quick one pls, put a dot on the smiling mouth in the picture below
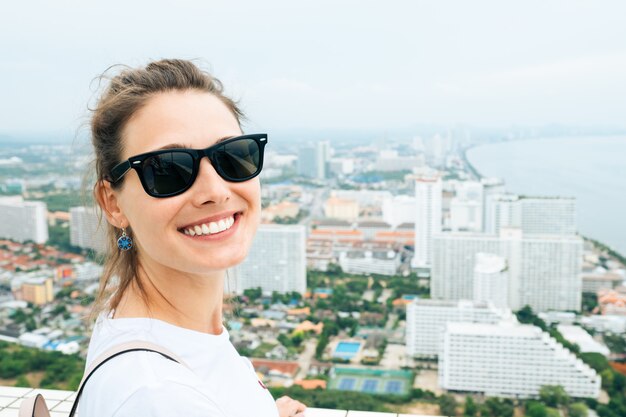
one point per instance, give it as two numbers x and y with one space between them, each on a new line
211 228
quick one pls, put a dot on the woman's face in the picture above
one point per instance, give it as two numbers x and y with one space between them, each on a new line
189 119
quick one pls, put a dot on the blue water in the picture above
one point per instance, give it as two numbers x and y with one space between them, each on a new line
347 347
592 169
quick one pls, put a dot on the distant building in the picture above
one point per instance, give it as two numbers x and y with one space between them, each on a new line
384 262
276 262
426 320
428 217
313 160
491 279
593 282
86 231
340 208
510 360
543 271
23 220
37 291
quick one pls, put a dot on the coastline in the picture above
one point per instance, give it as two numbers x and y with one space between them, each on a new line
597 244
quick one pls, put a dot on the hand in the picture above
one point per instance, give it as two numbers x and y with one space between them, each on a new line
288 407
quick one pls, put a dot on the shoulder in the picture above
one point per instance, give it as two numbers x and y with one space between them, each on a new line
166 399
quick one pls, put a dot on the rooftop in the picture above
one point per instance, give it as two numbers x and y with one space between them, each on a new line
60 404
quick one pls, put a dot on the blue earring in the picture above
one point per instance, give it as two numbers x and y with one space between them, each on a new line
124 242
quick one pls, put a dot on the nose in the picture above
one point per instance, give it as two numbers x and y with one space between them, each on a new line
209 187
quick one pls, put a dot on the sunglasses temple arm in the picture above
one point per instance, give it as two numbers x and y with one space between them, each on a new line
119 171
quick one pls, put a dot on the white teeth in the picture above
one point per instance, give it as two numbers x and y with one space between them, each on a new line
210 228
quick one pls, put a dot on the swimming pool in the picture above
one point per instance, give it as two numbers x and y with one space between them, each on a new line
346 350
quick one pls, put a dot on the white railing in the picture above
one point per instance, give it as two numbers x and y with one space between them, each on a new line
60 404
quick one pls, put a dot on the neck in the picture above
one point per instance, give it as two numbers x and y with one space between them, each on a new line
192 301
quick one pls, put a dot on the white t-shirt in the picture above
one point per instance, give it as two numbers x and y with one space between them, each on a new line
222 384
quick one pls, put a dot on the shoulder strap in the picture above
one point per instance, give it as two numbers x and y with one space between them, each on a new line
132 346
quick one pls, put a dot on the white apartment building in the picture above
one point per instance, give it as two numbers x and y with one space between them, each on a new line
543 271
23 220
428 217
510 360
501 210
466 215
399 209
534 215
491 280
384 262
426 320
548 215
276 262
85 230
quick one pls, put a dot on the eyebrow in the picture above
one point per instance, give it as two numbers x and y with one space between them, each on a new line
182 146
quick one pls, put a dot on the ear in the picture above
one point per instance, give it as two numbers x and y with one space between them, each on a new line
108 201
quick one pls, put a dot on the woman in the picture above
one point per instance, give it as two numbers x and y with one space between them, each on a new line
177 219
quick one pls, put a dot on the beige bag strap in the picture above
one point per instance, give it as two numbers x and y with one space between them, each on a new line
36 406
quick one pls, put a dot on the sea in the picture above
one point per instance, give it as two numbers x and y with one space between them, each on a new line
592 169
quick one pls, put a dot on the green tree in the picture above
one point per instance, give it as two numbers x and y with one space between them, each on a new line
553 395
470 408
499 408
536 409
447 405
577 410
22 382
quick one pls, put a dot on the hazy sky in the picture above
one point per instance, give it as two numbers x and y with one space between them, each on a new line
329 64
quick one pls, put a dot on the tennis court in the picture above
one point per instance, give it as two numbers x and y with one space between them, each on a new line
372 381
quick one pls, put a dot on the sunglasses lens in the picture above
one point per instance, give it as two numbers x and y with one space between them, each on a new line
239 160
168 172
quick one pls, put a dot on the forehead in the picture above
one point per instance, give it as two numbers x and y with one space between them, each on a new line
191 118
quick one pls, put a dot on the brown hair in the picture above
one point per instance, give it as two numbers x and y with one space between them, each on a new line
125 94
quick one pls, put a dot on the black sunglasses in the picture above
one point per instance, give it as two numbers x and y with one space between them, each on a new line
169 172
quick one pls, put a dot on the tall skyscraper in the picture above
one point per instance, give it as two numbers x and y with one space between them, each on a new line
85 229
428 196
313 160
276 262
23 220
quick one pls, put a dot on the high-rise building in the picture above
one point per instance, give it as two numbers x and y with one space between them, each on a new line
491 279
548 215
428 217
23 220
322 157
534 215
276 262
491 187
313 160
510 360
426 320
543 271
86 231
